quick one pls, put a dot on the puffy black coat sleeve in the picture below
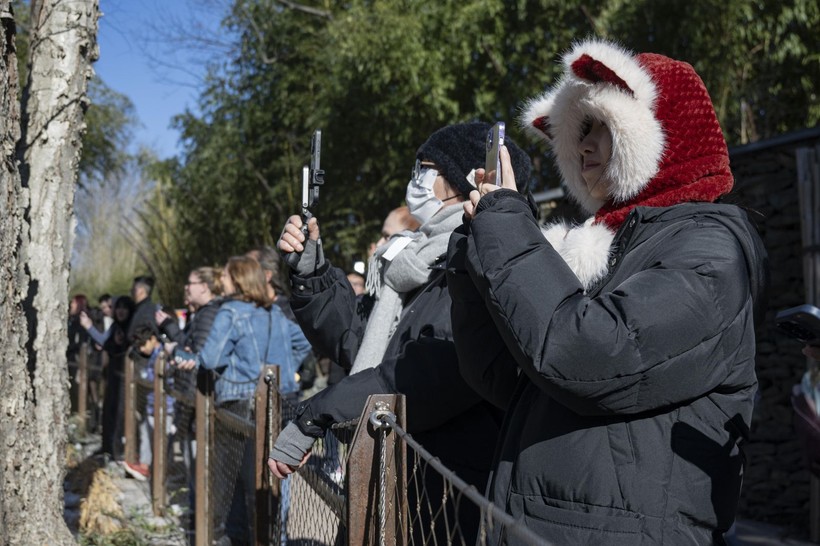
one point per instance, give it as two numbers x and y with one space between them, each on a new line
484 361
326 309
170 327
201 326
426 372
664 335
194 336
420 362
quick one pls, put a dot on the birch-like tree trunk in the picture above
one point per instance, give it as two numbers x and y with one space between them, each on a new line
32 359
13 280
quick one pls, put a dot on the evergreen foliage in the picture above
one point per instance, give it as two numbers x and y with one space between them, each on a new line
379 77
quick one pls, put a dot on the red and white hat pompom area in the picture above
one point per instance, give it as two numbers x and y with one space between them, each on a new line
667 146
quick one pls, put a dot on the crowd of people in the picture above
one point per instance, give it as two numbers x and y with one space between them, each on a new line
595 379
238 319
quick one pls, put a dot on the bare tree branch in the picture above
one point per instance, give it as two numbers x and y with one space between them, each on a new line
306 9
259 36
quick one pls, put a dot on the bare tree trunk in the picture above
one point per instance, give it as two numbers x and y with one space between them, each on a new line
13 281
35 397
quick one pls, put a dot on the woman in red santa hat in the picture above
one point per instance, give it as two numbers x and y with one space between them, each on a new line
622 348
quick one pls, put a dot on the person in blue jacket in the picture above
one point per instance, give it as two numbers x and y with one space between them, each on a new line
248 332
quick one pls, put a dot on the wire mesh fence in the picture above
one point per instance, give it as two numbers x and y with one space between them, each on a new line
444 509
179 469
318 493
366 481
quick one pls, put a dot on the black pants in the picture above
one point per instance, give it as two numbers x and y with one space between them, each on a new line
112 412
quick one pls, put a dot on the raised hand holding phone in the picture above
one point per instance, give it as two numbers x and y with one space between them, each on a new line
485 187
312 178
492 162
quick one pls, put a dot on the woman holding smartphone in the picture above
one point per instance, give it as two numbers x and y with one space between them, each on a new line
633 332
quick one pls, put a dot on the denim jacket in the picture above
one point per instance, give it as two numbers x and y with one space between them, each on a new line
235 349
287 347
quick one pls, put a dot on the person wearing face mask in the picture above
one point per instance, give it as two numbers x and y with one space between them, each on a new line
406 345
623 348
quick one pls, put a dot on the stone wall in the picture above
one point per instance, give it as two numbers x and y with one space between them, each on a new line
776 484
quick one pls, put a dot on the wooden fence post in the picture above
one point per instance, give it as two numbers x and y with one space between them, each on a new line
130 412
205 416
158 462
365 477
268 527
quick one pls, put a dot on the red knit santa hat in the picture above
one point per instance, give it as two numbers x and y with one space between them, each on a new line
667 146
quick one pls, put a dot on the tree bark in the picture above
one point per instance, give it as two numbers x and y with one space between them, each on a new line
34 373
13 280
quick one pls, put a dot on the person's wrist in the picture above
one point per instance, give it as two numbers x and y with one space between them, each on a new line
291 445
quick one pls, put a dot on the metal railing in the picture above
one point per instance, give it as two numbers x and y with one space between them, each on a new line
367 482
380 499
225 439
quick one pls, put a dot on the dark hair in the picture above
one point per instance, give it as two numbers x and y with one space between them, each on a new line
104 297
96 316
124 302
146 282
142 334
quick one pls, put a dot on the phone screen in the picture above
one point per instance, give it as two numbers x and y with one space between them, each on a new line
801 323
492 163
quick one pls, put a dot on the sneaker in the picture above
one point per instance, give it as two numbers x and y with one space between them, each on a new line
139 471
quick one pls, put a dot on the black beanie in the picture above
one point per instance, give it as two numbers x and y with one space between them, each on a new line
458 149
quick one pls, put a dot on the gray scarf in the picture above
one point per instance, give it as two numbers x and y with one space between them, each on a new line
389 280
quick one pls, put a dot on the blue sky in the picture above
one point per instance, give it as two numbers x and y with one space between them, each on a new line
132 36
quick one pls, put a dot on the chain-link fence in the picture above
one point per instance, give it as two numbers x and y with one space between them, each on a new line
366 482
370 482
205 456
441 507
318 493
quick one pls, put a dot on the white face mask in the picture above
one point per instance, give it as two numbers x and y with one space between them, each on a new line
420 197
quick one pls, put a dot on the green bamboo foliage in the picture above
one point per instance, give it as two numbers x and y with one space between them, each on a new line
378 77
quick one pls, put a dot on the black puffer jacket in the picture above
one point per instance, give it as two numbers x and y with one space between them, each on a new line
443 413
192 338
196 331
624 423
143 316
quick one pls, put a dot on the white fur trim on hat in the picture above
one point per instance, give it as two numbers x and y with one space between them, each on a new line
585 248
638 139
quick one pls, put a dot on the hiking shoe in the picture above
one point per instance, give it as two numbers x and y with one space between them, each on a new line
139 471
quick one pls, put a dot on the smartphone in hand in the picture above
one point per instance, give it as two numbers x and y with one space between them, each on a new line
801 323
181 355
492 163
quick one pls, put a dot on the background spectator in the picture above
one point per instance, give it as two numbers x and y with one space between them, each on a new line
141 290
